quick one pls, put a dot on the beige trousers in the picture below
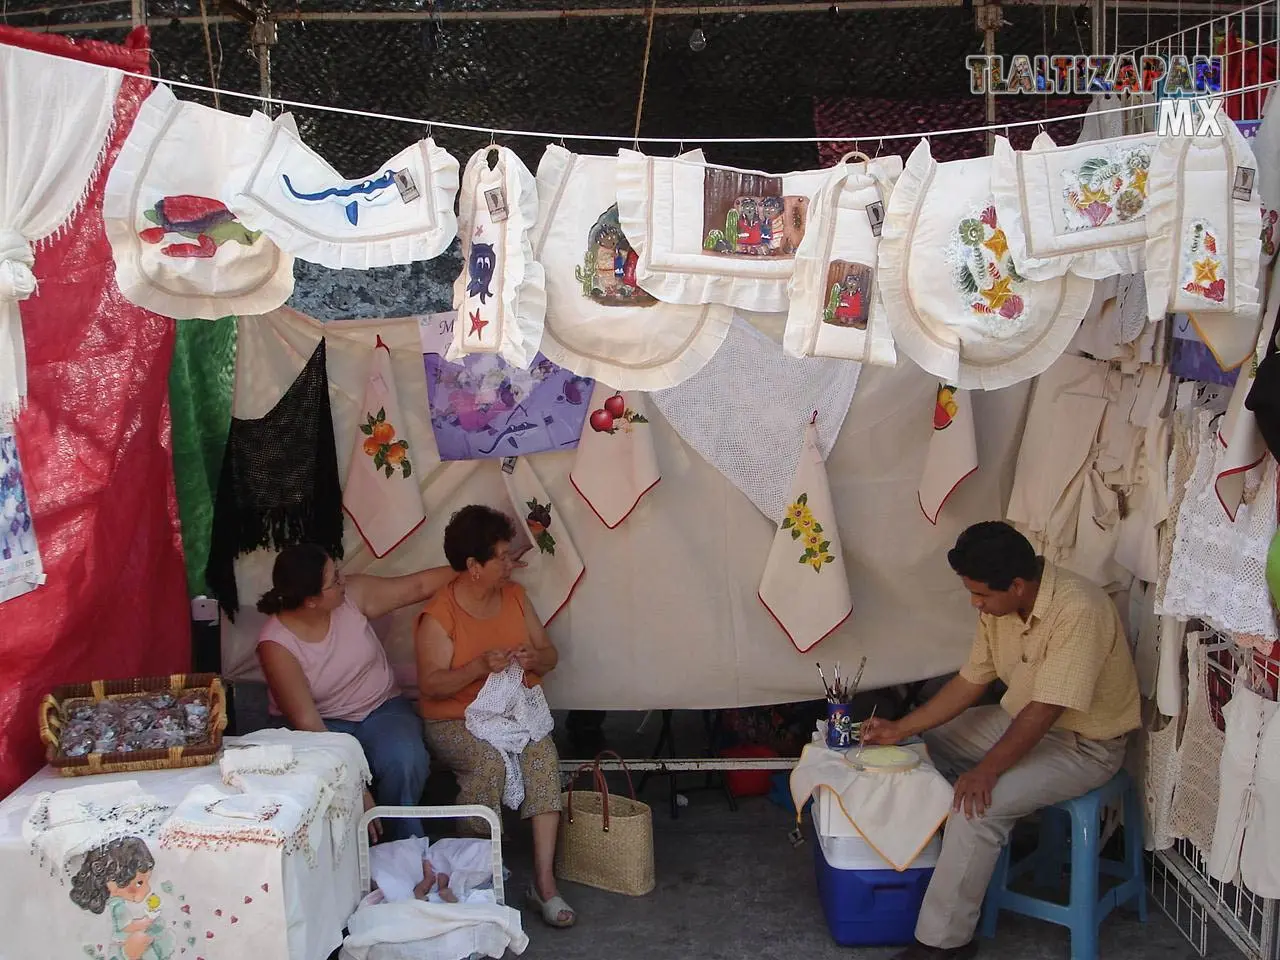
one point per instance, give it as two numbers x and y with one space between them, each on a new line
1061 766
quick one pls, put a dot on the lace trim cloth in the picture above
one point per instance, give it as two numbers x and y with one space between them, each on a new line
1162 769
1218 569
1195 798
509 716
282 816
279 482
64 825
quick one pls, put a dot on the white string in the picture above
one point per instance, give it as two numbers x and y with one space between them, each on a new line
545 135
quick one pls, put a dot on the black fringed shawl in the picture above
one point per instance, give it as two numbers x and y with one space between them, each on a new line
1264 395
279 482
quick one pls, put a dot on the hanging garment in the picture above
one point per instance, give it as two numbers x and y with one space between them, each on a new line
500 295
509 716
1147 498
63 825
708 234
1260 859
484 407
382 496
1246 715
804 585
279 482
1195 796
600 322
1245 64
1238 432
55 117
957 304
1266 149
401 213
554 566
1103 120
616 464
1203 243
20 568
1218 569
836 308
755 441
1263 396
953 450
179 251
1080 207
1117 318
1161 778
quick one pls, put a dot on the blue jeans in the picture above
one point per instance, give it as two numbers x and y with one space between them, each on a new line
392 740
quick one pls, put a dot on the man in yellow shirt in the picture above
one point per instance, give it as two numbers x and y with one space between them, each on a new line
1057 643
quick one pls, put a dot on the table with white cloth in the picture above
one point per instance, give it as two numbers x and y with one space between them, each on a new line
226 903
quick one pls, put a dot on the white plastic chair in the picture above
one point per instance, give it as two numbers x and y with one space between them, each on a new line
431 813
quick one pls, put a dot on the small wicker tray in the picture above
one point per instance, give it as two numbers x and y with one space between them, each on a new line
190 755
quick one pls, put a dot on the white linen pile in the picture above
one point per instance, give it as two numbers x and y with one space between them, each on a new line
396 868
213 819
63 825
509 716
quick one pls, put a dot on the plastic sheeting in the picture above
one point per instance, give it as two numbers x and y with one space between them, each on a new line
95 441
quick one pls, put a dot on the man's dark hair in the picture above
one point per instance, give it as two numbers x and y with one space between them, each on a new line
994 553
473 533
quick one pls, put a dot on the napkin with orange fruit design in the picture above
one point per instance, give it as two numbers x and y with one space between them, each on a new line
804 585
616 464
382 496
953 450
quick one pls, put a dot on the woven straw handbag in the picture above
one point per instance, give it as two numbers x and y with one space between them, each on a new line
606 840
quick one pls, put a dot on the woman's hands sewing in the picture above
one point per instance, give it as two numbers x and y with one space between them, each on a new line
496 661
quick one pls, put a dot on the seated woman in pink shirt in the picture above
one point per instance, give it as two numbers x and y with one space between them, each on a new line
327 670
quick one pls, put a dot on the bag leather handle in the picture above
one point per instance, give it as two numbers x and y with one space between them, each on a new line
601 787
625 769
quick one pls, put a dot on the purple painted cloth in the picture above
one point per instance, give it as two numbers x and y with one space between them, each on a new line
485 408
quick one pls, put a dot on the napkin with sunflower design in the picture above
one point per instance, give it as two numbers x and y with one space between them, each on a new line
382 496
804 585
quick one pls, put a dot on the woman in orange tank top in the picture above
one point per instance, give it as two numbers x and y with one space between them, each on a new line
477 626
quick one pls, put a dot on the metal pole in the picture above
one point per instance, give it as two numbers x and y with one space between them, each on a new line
262 36
1097 21
138 12
989 47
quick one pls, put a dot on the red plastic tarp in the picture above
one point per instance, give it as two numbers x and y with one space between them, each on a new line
95 445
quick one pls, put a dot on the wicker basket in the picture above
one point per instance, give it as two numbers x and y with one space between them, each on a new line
190 755
606 840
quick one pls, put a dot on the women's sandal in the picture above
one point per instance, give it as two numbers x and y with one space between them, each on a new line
551 909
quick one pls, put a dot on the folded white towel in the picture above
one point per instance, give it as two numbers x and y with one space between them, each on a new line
273 758
438 931
64 825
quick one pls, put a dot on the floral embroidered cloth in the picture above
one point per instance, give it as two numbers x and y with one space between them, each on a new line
382 496
501 294
484 407
400 213
20 567
554 566
600 321
179 251
616 464
958 305
1080 207
804 584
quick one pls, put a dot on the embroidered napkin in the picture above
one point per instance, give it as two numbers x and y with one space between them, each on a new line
179 250
20 566
804 585
212 819
382 496
953 450
616 464
554 567
63 825
1266 144
500 295
400 213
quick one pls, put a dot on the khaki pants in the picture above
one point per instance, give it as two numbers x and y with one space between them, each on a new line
1061 766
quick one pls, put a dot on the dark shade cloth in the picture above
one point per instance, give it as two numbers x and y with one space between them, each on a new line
279 483
95 442
1264 395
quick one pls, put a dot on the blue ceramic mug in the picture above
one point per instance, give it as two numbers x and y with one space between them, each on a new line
839 726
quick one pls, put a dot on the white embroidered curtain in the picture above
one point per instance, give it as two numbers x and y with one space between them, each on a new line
55 115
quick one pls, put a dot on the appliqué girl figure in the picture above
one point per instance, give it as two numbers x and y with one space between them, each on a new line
116 879
748 226
775 234
849 304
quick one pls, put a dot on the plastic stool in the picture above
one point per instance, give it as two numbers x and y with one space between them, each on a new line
1070 833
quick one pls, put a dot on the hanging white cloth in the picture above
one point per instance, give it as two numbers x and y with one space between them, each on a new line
55 117
500 295
953 450
1266 149
554 565
179 251
1245 716
804 585
615 465
1260 858
509 716
382 496
755 441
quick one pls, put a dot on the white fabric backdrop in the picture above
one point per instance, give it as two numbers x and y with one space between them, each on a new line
667 614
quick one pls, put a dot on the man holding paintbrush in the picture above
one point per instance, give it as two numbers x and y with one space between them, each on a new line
1057 643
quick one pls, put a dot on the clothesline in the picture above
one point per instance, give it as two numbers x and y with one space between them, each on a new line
674 141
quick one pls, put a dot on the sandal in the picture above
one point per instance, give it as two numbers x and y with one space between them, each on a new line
551 909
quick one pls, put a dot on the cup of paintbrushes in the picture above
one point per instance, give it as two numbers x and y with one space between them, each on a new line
839 726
